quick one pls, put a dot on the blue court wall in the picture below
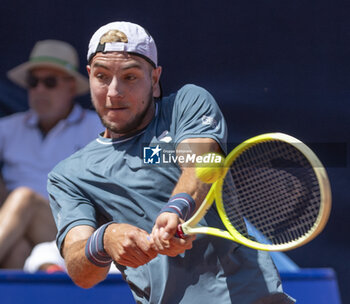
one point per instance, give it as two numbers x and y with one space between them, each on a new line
271 65
308 286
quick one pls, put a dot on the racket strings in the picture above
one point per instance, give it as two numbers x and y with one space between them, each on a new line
273 187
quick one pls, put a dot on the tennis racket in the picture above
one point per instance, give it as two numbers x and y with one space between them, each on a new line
274 195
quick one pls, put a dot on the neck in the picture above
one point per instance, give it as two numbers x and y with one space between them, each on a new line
46 124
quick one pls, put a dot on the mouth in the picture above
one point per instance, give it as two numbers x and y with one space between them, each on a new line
40 100
116 109
116 112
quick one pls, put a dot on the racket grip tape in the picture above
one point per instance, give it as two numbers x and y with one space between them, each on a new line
180 232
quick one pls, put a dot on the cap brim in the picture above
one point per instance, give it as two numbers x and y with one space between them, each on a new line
18 75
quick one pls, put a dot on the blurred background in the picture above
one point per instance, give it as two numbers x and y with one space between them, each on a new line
271 65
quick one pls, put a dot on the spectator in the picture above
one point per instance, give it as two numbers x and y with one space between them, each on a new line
33 142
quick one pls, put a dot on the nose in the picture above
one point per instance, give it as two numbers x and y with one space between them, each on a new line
115 89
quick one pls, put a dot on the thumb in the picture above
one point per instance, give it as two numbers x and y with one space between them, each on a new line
170 228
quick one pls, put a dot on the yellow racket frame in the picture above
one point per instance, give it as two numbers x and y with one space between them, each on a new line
215 193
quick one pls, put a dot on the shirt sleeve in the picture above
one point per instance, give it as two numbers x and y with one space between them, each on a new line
196 114
69 206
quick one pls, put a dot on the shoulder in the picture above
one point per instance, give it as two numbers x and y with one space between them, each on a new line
15 118
193 89
186 92
90 114
90 119
16 124
191 94
188 100
192 97
187 96
85 114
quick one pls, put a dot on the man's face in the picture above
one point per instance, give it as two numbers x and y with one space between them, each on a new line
122 91
51 93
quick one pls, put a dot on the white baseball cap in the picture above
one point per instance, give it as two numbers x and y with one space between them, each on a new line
123 37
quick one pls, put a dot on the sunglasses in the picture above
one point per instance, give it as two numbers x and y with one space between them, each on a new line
49 82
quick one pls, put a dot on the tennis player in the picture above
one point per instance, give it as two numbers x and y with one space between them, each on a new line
121 198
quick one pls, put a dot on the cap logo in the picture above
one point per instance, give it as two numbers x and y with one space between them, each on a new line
113 36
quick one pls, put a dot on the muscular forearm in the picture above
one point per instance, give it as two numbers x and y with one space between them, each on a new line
125 244
188 182
80 269
189 191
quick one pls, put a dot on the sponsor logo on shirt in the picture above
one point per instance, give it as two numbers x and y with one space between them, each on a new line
210 121
165 137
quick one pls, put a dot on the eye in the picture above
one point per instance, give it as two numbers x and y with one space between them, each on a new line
100 76
130 77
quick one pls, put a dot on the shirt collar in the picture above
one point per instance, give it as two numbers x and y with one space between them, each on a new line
75 116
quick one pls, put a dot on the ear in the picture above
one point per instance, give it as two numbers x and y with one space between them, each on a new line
155 81
88 68
72 84
73 88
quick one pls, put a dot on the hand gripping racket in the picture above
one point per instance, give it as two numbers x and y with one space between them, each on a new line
274 195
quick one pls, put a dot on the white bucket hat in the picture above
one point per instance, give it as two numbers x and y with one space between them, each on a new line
51 53
133 39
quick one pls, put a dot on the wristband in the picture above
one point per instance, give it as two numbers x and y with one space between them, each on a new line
181 204
94 249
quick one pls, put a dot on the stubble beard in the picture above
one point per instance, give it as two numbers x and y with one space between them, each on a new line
131 126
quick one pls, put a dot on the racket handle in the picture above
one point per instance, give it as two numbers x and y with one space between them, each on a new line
180 232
